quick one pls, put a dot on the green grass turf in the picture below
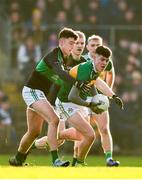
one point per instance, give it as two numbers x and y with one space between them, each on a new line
43 160
131 168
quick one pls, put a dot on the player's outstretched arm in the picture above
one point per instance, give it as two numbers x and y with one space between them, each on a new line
106 90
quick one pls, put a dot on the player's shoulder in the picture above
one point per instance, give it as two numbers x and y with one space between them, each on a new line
86 63
53 52
85 66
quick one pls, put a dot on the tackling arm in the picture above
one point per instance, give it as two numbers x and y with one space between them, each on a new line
75 98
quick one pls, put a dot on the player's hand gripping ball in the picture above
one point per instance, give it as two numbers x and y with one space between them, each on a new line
99 103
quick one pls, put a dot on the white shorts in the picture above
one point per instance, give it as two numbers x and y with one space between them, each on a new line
32 95
67 109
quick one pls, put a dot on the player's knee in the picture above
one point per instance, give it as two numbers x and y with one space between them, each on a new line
54 121
104 130
91 136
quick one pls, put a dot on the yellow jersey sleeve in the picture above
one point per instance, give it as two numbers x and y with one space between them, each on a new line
73 72
103 75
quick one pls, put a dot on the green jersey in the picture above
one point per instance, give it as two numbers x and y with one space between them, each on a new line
50 70
65 88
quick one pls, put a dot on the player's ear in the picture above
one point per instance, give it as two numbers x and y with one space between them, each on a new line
61 41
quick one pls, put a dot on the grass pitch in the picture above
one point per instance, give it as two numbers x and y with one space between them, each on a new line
131 168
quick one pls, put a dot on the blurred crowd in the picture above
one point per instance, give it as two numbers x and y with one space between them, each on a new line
8 135
37 17
35 24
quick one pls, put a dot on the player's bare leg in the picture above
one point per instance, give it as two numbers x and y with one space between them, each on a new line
88 136
102 122
33 130
45 110
70 134
42 143
77 144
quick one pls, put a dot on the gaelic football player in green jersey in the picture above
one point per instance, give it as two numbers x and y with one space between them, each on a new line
49 70
102 120
71 112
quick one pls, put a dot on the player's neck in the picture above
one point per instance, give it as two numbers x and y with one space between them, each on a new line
92 56
76 57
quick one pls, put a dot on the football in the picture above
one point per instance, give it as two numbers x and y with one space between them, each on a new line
103 100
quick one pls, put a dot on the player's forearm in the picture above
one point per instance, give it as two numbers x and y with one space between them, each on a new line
64 75
60 71
75 98
104 88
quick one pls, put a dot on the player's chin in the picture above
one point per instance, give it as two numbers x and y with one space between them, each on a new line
102 68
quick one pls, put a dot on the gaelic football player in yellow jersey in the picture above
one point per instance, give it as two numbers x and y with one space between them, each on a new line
102 120
82 72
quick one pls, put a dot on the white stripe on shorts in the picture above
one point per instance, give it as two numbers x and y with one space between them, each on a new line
67 109
32 95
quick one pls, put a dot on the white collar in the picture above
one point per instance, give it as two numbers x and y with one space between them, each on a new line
89 55
94 67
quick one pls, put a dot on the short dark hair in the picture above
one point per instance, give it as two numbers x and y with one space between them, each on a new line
68 33
104 51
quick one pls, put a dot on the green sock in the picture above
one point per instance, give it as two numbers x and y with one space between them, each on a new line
74 161
21 157
108 155
80 161
54 155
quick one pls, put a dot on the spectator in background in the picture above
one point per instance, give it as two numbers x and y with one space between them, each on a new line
78 18
53 8
42 6
93 15
17 35
77 15
36 26
28 55
14 6
61 19
51 43
7 131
